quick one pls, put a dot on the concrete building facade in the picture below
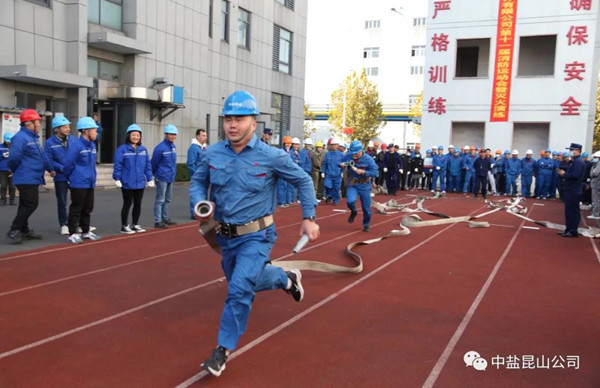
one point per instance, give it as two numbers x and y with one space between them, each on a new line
508 74
153 62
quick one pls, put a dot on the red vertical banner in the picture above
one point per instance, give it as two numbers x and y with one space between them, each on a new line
505 44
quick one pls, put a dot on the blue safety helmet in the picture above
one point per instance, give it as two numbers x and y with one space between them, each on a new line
440 147
86 123
240 103
585 155
355 147
7 137
555 153
548 150
59 121
428 151
566 154
171 130
134 127
507 152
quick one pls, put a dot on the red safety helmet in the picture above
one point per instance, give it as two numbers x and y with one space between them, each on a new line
29 115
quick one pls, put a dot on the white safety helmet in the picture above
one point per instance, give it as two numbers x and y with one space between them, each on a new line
529 152
295 141
335 140
307 141
450 146
596 154
434 148
466 148
370 144
515 152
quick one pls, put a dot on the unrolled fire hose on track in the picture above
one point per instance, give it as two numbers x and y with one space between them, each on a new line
204 211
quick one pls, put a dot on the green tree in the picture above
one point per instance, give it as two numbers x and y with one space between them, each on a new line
356 105
308 129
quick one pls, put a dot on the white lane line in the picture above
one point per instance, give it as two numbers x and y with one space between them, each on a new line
294 319
592 241
119 266
156 301
437 369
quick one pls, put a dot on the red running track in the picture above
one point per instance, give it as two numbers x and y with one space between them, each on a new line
143 310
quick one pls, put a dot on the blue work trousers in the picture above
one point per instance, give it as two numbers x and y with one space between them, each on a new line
543 182
453 183
61 189
245 263
332 186
441 175
511 185
362 191
468 179
526 185
164 192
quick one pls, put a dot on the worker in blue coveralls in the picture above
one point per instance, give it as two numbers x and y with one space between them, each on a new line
333 173
512 170
164 168
359 175
467 166
528 171
56 148
544 175
555 178
6 183
439 170
305 155
194 156
572 191
242 174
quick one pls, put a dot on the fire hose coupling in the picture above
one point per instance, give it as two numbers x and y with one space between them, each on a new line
349 163
204 210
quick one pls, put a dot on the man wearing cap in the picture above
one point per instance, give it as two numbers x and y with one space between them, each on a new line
572 190
358 185
164 168
467 166
439 170
392 165
242 173
6 182
544 176
56 148
282 185
333 173
380 180
513 170
528 171
266 136
80 170
481 167
305 155
27 162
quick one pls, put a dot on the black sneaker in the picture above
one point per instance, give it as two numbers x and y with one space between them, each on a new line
296 290
169 222
216 362
352 216
14 237
30 235
160 225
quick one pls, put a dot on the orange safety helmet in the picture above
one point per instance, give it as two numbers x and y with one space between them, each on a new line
376 143
498 152
29 115
542 152
287 140
472 148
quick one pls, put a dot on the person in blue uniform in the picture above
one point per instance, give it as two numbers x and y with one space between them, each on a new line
242 174
544 175
572 191
27 162
359 178
80 169
164 168
513 170
528 171
6 184
333 173
439 170
56 148
132 171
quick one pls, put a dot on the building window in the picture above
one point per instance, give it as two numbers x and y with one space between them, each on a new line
281 118
225 20
371 52
100 69
210 18
372 71
419 21
41 2
416 70
417 51
108 13
537 55
372 24
472 58
282 50
243 28
287 3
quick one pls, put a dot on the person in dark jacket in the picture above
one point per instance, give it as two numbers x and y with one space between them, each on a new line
572 191
164 167
416 170
132 171
481 167
27 162
80 169
405 175
6 183
56 148
392 166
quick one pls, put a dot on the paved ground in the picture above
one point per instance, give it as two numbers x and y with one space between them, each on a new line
106 216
